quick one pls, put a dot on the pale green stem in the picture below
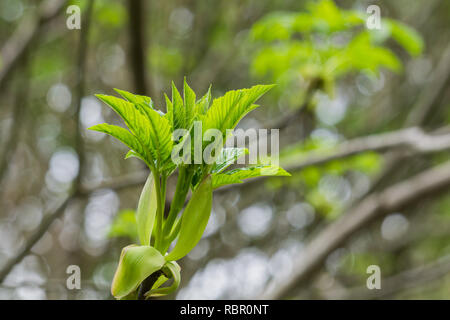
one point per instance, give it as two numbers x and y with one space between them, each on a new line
159 210
179 197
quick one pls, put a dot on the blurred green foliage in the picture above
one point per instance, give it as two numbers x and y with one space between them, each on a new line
323 44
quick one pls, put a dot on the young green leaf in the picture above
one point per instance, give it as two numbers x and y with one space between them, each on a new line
136 264
173 271
227 157
237 175
133 154
160 135
132 115
134 118
136 99
194 220
406 36
150 128
169 111
228 110
202 105
161 280
189 103
180 118
146 211
124 136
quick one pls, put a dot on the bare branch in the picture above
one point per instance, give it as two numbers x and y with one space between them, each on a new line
396 197
43 227
15 48
412 139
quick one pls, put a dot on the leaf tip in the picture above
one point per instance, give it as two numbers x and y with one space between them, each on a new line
94 127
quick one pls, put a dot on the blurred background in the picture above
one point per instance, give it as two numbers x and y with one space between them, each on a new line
363 111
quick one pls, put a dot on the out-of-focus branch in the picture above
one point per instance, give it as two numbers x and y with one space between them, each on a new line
15 48
33 239
427 103
45 225
401 195
136 28
128 180
80 88
411 139
410 279
18 118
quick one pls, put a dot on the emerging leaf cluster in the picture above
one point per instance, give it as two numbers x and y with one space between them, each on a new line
150 135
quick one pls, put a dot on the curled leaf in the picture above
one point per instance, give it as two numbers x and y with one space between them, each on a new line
194 220
172 270
135 265
146 211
